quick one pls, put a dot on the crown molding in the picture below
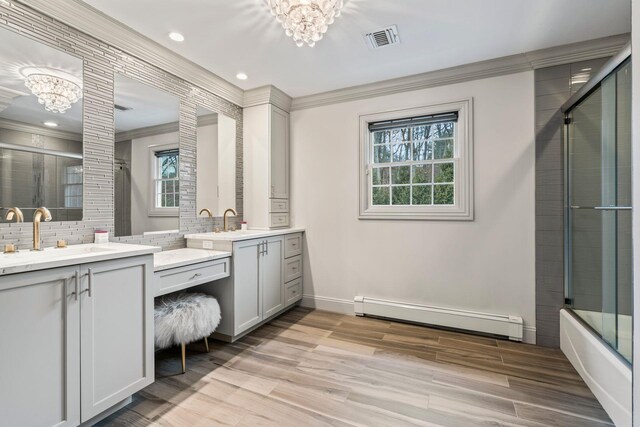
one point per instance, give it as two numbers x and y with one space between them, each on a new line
91 21
148 131
575 52
29 128
267 95
558 55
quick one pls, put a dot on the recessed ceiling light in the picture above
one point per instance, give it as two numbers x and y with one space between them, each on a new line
242 76
176 37
50 124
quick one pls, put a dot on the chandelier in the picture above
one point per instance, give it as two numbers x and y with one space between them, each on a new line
305 20
55 90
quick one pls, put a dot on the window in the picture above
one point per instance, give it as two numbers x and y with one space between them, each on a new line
166 182
417 164
73 186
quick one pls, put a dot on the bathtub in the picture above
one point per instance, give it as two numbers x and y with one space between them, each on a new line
606 374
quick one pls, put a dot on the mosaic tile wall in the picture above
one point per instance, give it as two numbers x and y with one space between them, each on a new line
101 61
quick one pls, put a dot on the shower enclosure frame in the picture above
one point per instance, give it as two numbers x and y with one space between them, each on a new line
589 88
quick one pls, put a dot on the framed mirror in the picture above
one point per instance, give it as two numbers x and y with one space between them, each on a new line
147 159
40 129
216 162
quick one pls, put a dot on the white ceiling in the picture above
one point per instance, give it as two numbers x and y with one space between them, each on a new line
148 106
228 36
18 52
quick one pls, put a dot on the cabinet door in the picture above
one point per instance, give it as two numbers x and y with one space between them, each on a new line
247 295
116 308
39 349
272 277
279 154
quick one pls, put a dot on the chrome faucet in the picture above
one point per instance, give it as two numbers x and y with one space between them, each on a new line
226 228
40 214
208 211
14 212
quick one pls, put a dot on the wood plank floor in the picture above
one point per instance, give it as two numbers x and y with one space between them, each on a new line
314 368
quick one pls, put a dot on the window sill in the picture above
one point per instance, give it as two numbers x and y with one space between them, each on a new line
445 214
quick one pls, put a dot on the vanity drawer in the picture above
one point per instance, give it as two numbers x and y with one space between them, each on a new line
292 268
293 292
292 245
279 205
278 220
176 279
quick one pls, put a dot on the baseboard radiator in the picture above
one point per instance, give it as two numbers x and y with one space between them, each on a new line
495 324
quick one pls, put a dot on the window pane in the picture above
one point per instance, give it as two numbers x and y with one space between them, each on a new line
443 194
380 176
443 172
401 195
402 152
400 135
382 137
176 186
176 200
401 175
421 194
168 186
381 153
444 130
423 150
380 195
422 174
443 149
421 133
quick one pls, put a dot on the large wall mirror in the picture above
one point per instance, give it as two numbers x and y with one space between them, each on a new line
147 159
40 129
216 163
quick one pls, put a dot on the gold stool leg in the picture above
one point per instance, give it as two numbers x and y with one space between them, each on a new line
184 359
206 343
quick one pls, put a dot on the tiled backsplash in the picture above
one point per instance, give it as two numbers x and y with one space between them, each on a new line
101 61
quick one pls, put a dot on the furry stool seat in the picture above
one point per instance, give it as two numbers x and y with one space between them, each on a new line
183 318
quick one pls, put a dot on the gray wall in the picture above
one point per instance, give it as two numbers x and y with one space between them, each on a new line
101 61
553 86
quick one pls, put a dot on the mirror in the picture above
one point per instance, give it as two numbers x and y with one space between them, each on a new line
40 129
147 159
216 162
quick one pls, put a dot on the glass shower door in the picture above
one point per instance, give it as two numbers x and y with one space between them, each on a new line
599 196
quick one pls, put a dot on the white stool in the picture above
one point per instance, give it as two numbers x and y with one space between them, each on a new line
183 318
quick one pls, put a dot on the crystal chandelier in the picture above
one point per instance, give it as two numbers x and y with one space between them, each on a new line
56 93
305 20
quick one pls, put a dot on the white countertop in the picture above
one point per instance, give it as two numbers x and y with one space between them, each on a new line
187 256
27 260
234 236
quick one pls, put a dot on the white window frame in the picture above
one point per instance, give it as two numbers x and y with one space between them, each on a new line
462 208
153 169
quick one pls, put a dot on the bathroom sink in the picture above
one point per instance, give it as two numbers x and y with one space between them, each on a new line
55 253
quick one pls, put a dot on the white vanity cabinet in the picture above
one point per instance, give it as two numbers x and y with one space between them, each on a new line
266 166
257 289
74 341
40 349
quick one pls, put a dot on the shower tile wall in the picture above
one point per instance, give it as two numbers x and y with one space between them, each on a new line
101 61
553 86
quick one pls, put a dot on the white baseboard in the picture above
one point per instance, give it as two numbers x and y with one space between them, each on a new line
347 307
608 377
498 324
529 334
336 305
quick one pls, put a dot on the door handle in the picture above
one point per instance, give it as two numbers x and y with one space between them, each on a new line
266 248
604 208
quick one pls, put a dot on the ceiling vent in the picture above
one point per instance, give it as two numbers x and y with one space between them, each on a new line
121 108
383 38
